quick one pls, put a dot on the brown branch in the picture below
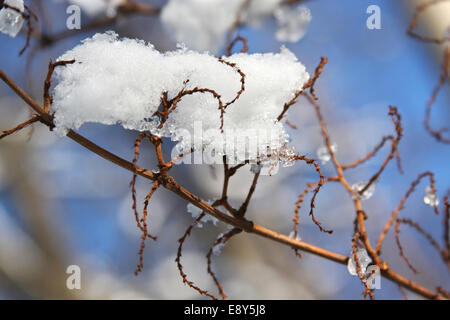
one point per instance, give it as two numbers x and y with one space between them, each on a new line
243 209
420 230
298 205
291 125
447 227
428 236
403 292
178 259
316 190
237 21
236 40
309 84
437 134
292 2
126 9
396 120
220 241
360 214
299 202
312 81
247 226
446 294
242 88
171 105
227 174
371 154
145 233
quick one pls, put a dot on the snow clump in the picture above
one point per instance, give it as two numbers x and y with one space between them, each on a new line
121 81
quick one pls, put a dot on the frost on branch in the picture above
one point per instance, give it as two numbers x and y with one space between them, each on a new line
123 81
11 21
205 23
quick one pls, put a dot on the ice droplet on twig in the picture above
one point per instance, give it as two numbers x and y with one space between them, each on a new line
11 21
196 212
292 23
430 197
323 154
363 259
358 187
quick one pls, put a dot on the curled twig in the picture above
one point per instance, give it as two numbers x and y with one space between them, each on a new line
396 120
312 81
28 15
372 153
247 226
237 21
415 20
437 134
170 105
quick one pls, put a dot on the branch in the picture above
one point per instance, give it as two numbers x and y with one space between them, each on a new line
126 9
414 21
240 223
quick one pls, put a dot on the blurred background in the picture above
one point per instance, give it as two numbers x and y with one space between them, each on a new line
61 205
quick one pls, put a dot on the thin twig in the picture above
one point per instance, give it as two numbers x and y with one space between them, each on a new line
415 20
178 259
21 126
401 205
